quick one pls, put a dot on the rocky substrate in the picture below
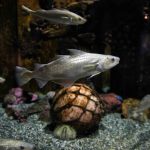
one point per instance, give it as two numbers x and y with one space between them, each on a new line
114 133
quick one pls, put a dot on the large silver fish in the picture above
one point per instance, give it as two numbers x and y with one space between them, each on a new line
58 16
10 144
68 68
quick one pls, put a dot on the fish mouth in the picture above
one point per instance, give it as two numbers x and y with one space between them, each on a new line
117 60
84 20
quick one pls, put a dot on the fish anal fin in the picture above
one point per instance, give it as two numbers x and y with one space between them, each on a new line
41 83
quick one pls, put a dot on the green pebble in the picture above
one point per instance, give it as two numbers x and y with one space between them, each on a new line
65 132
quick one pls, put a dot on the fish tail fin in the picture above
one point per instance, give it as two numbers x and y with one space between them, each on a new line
23 75
28 10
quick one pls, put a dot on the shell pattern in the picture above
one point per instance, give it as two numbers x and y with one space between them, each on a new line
79 106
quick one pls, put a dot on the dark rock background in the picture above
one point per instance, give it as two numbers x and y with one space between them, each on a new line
121 24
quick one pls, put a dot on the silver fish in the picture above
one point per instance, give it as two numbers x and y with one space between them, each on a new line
2 80
11 144
57 16
144 104
68 68
138 113
80 3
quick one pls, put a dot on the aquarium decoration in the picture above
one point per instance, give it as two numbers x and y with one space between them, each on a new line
74 74
78 106
136 109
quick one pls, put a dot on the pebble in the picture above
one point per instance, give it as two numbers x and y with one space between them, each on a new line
114 133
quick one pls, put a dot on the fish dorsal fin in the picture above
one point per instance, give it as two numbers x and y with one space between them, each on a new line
37 66
59 58
56 57
76 52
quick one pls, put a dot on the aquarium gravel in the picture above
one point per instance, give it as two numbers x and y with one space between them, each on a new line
114 134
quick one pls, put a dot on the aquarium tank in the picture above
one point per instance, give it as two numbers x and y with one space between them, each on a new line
75 75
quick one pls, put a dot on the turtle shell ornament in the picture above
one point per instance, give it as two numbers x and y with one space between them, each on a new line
77 106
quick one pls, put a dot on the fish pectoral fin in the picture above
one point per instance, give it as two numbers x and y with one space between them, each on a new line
64 83
90 66
41 83
93 75
76 52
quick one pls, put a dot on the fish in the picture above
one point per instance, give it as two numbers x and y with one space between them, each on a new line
144 104
67 69
78 4
11 144
2 80
142 111
57 16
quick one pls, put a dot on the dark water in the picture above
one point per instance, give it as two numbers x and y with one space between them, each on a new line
121 24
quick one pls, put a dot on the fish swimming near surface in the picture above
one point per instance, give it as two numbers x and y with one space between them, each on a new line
57 16
80 3
2 80
68 68
10 144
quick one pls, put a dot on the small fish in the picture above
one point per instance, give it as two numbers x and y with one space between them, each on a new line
140 112
10 144
144 104
2 80
68 68
79 4
58 16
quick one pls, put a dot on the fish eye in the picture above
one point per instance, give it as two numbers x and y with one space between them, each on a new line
113 59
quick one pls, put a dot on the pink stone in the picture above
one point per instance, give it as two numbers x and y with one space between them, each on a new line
18 92
34 97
